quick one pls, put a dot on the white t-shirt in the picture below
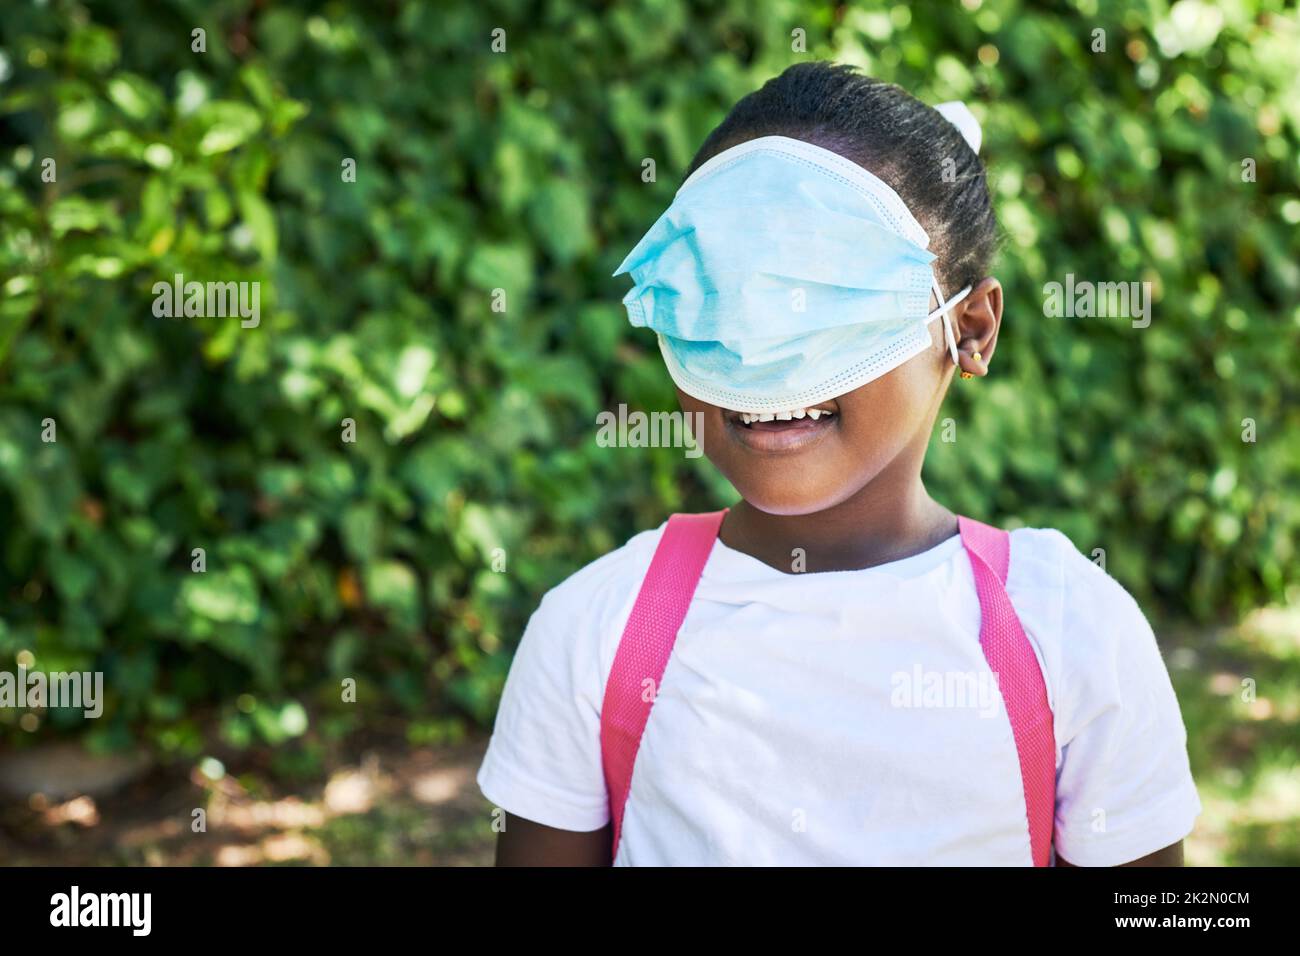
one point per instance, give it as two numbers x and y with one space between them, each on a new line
845 717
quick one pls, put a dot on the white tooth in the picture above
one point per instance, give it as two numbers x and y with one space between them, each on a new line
782 416
814 413
746 417
798 413
766 417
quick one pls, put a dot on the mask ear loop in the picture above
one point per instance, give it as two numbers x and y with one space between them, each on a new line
947 320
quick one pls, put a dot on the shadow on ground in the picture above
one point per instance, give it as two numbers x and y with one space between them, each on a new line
394 806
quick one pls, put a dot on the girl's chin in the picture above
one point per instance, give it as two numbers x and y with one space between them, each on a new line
787 500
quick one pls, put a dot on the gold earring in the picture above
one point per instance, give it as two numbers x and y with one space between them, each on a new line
977 357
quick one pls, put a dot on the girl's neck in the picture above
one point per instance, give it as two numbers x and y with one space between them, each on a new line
887 520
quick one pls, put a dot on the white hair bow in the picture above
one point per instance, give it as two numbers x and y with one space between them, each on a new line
960 116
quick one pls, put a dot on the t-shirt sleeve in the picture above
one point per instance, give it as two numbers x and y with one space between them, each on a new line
543 762
1124 786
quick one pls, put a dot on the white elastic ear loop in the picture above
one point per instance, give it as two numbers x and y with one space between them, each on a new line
947 320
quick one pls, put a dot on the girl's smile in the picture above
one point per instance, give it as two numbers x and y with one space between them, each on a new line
782 432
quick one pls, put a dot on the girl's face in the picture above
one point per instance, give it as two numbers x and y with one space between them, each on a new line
806 465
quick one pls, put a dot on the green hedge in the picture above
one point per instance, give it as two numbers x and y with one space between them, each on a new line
475 429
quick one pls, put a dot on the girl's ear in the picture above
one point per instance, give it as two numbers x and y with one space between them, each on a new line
977 326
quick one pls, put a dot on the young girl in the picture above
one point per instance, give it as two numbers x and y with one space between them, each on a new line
836 670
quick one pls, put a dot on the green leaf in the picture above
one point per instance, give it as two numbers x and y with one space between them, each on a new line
222 596
257 216
225 125
135 96
559 215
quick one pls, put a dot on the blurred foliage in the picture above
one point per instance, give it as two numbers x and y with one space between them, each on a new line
521 170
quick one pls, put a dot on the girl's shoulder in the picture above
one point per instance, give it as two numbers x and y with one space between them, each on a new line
1045 560
600 592
1090 633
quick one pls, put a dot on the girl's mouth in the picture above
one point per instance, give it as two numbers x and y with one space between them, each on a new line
788 430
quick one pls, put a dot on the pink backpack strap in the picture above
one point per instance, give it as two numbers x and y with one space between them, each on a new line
646 645
1020 679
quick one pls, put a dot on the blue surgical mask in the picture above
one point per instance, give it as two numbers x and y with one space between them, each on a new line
783 275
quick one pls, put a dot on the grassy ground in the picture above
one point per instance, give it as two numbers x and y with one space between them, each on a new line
1240 694
390 804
